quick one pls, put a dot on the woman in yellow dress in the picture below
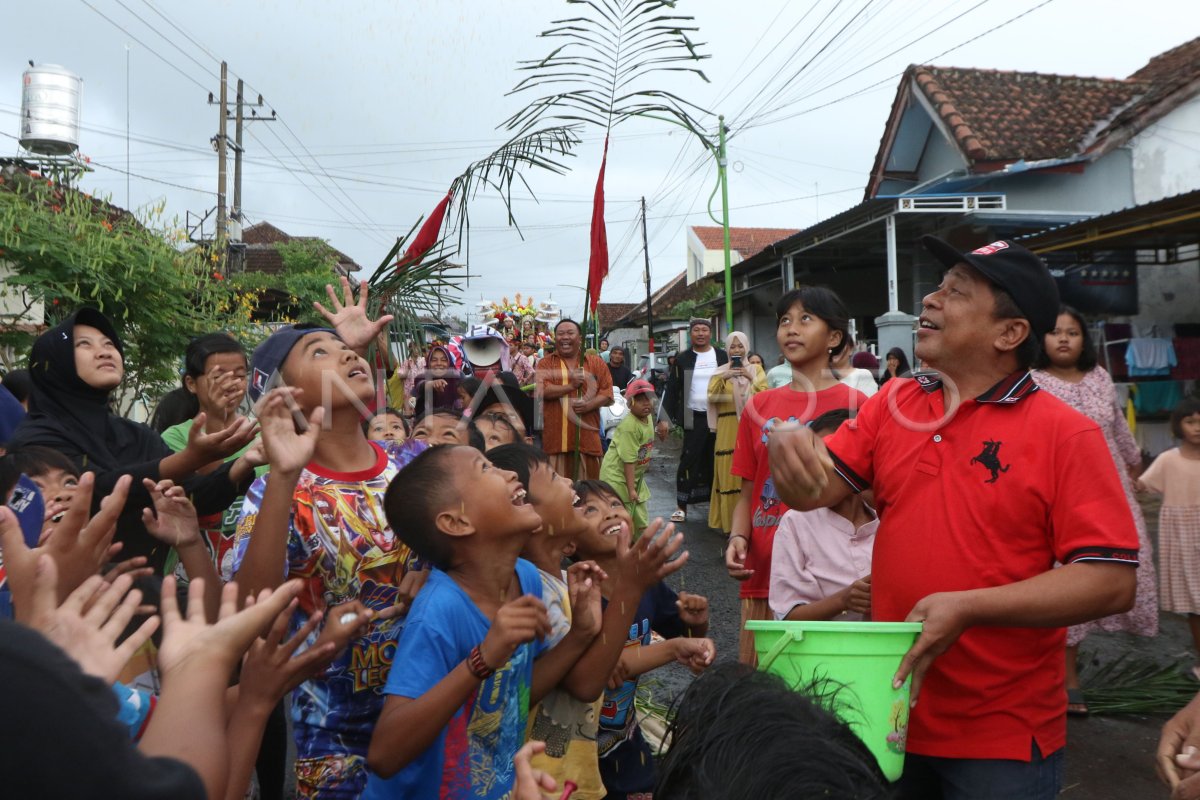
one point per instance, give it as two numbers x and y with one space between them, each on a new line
728 390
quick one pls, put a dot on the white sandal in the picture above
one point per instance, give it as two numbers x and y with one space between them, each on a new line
679 516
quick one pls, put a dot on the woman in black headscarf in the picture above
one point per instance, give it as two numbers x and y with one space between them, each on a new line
75 367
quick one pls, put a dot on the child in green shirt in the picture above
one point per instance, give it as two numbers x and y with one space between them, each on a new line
628 455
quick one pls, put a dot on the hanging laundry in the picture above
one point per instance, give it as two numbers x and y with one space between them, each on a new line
1156 397
1148 357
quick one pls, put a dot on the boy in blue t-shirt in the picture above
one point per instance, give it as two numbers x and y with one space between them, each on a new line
464 673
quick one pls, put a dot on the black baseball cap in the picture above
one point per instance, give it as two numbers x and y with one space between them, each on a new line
1015 270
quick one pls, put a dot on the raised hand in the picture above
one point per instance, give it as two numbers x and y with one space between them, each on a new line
173 519
647 562
349 318
191 642
88 623
516 622
583 587
79 545
288 449
800 463
271 667
206 448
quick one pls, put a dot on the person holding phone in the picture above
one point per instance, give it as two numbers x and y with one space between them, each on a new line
728 389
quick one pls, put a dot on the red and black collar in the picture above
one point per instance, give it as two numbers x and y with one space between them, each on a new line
1010 389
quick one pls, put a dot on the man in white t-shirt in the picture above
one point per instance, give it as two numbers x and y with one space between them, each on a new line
685 402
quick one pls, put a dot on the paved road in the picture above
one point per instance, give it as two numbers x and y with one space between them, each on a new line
1108 758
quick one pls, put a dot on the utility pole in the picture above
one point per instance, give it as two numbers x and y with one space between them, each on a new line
649 311
237 161
722 163
222 143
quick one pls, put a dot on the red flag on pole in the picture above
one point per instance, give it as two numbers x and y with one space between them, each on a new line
598 264
427 237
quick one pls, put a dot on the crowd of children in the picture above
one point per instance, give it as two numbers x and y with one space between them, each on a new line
449 616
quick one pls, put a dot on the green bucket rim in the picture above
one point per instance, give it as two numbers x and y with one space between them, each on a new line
821 626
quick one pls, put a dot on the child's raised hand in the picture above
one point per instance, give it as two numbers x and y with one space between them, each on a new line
271 669
695 654
79 544
191 641
516 622
583 588
858 597
88 623
648 561
349 317
288 448
210 447
173 519
693 610
347 621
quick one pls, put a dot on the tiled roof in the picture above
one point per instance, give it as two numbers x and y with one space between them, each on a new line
996 115
673 293
1171 77
746 241
261 256
608 313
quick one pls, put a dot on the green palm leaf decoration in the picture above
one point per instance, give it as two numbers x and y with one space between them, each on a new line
424 279
598 74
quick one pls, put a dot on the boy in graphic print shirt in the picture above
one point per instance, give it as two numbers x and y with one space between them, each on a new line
318 515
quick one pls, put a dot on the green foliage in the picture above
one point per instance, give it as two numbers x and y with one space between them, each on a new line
309 265
1132 684
67 250
686 309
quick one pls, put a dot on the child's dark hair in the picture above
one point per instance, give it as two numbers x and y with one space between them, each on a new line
176 406
587 489
1187 407
830 421
738 732
419 492
19 384
1087 356
390 412
440 411
520 458
35 460
820 302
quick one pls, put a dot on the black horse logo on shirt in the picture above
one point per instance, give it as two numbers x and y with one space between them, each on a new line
990 458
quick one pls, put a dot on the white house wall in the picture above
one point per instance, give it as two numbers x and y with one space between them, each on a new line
1166 155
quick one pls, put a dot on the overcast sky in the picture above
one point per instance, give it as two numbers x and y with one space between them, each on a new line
384 103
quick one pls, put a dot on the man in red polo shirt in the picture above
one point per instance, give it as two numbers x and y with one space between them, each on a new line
982 483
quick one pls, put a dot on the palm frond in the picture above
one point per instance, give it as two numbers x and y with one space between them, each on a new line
596 74
540 149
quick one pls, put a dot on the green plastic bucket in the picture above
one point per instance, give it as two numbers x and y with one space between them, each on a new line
859 660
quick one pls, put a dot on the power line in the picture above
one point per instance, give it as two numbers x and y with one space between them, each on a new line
185 34
166 39
156 54
891 78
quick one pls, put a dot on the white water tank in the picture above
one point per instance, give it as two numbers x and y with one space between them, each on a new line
50 110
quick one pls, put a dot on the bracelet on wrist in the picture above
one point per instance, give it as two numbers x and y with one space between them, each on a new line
745 539
477 665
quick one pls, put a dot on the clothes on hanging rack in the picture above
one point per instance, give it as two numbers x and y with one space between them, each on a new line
1148 357
1156 397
